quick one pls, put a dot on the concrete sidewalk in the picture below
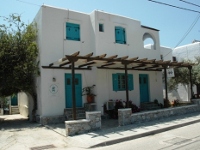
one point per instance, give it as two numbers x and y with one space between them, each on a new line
109 136
12 117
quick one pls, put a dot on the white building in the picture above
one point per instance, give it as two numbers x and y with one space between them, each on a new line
63 32
186 52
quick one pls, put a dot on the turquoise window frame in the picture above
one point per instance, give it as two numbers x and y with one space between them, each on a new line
120 35
118 80
72 31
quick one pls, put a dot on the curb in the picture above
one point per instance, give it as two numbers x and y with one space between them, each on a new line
132 137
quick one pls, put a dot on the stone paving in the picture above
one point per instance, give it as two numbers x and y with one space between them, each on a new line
118 134
22 134
17 133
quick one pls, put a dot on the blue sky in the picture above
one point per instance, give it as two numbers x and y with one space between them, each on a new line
172 23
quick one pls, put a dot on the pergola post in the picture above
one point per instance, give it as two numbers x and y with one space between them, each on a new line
190 73
126 83
165 74
73 91
73 60
115 63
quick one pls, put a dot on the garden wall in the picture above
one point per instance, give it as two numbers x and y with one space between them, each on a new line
126 117
92 122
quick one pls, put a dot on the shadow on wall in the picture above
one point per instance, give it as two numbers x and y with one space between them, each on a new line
181 93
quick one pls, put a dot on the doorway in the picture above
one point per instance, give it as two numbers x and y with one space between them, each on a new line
68 90
144 88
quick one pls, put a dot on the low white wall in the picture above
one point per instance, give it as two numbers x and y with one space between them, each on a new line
1 111
25 104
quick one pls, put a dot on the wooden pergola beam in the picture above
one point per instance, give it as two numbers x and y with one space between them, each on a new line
88 55
109 64
86 64
142 65
132 59
142 60
112 57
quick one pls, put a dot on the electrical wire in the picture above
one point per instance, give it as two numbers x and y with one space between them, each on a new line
188 31
28 3
174 6
189 3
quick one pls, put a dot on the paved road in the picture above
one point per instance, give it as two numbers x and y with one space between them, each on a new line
184 138
24 135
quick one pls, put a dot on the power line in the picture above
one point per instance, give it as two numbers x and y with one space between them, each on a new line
188 31
174 6
189 3
28 3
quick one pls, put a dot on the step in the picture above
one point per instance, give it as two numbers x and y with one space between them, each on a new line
149 106
78 116
80 113
69 110
14 110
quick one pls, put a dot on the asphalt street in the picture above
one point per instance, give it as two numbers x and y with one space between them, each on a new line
184 138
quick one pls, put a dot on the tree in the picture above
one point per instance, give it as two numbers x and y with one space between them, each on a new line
182 75
18 58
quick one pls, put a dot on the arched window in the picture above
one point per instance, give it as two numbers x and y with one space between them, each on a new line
149 42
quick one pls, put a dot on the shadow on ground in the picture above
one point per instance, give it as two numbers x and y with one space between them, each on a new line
17 124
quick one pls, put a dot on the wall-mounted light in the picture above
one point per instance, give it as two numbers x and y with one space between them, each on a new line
54 79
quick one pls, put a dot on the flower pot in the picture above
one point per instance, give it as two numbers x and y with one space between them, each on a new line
90 98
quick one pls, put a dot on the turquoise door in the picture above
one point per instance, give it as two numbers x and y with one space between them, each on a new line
68 90
14 101
144 88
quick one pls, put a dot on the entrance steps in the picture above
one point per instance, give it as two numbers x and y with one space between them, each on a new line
14 110
149 106
80 113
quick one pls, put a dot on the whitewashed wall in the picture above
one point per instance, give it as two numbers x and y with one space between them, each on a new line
166 52
23 104
186 52
53 46
105 41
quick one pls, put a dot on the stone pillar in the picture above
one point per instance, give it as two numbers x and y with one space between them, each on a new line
124 116
75 127
95 119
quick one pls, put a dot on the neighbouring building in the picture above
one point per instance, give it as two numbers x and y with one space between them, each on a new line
186 52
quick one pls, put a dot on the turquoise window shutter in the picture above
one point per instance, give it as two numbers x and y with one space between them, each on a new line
72 31
123 36
130 82
115 82
76 33
69 31
118 35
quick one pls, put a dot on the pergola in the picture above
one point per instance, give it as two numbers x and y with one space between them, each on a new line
77 62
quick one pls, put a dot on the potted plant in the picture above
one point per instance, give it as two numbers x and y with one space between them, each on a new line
88 91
